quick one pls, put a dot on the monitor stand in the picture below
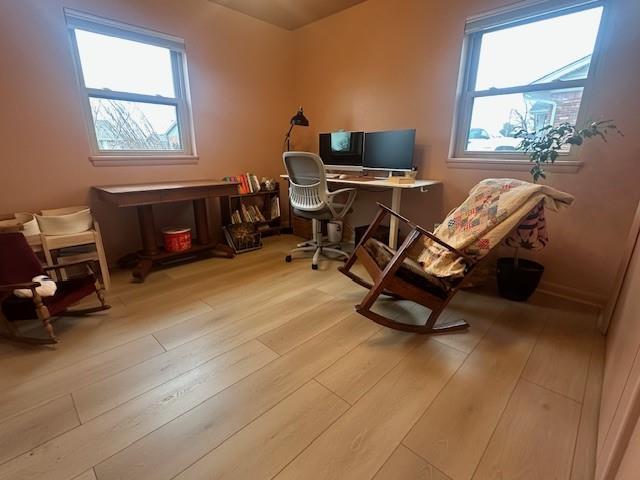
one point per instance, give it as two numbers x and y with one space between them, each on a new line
390 174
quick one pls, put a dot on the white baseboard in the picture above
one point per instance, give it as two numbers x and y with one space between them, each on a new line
574 294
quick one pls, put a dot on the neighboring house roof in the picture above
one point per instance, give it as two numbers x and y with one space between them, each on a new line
577 69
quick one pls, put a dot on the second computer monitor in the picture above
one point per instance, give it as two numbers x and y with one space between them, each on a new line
342 150
390 150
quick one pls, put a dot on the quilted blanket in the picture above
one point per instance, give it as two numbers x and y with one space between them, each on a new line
494 209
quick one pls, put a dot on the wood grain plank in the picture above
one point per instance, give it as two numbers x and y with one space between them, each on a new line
88 475
76 451
560 360
300 329
63 381
403 464
93 335
233 302
478 309
358 443
456 428
275 248
99 397
584 459
534 439
355 373
265 446
207 426
36 426
228 274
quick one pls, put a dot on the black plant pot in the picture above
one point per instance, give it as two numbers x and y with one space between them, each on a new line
518 283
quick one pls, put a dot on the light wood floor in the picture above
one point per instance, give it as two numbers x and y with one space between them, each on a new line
252 368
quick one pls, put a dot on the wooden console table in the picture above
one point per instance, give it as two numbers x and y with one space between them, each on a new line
144 196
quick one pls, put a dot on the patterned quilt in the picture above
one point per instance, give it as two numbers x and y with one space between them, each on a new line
494 209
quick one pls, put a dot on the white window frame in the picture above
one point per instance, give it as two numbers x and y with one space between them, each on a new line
519 14
182 103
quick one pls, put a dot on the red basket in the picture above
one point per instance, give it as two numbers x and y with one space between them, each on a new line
177 239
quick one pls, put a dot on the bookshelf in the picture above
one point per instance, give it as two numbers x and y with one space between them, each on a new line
262 201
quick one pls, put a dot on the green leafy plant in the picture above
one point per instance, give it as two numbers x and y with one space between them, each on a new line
544 146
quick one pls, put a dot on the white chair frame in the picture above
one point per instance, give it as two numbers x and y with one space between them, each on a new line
315 197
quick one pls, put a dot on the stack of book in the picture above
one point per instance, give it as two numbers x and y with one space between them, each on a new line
249 183
247 214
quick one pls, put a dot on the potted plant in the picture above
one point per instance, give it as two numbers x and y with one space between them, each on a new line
545 145
519 278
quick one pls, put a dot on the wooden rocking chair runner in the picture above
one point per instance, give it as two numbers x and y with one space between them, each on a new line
398 276
18 265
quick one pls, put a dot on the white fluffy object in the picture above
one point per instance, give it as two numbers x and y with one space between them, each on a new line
47 288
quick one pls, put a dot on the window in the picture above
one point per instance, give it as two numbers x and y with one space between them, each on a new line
134 90
523 68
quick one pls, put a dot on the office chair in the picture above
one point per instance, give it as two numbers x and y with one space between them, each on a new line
310 198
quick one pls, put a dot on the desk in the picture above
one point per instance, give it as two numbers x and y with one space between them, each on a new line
144 196
396 196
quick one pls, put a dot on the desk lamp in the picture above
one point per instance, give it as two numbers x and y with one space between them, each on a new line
297 119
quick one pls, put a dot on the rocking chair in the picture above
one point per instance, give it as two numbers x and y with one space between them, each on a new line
396 275
18 266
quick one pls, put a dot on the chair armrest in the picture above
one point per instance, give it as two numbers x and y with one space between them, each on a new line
428 234
342 190
16 286
342 207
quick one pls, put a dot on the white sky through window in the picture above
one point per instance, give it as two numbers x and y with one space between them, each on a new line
523 54
117 64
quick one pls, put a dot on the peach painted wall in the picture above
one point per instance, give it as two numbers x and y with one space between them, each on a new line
238 68
620 405
388 64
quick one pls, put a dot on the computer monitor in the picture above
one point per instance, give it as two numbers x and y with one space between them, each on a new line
342 150
390 150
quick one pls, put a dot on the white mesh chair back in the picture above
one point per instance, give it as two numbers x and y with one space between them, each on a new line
307 181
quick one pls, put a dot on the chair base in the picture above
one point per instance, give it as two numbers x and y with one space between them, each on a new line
319 248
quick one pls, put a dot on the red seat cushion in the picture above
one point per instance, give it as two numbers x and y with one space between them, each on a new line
68 293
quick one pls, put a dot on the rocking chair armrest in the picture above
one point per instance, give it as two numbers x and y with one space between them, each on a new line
18 286
428 234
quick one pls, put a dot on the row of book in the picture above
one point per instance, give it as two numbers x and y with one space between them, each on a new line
247 214
252 214
249 183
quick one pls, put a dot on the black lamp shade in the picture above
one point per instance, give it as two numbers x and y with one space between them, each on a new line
300 119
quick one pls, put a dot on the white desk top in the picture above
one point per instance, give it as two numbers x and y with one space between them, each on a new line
380 183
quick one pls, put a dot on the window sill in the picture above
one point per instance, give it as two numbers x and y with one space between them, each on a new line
560 166
141 160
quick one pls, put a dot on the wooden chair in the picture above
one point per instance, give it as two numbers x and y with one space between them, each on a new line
396 275
18 266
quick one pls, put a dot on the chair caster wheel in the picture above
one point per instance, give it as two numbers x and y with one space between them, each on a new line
287 259
314 267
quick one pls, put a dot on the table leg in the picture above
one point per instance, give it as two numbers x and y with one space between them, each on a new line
142 269
147 230
202 223
396 198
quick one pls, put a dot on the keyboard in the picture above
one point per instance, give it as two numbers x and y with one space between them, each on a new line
332 175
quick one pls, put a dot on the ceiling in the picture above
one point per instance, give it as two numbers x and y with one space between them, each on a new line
289 14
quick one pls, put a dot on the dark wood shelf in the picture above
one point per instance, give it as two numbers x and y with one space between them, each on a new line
262 201
195 249
255 194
